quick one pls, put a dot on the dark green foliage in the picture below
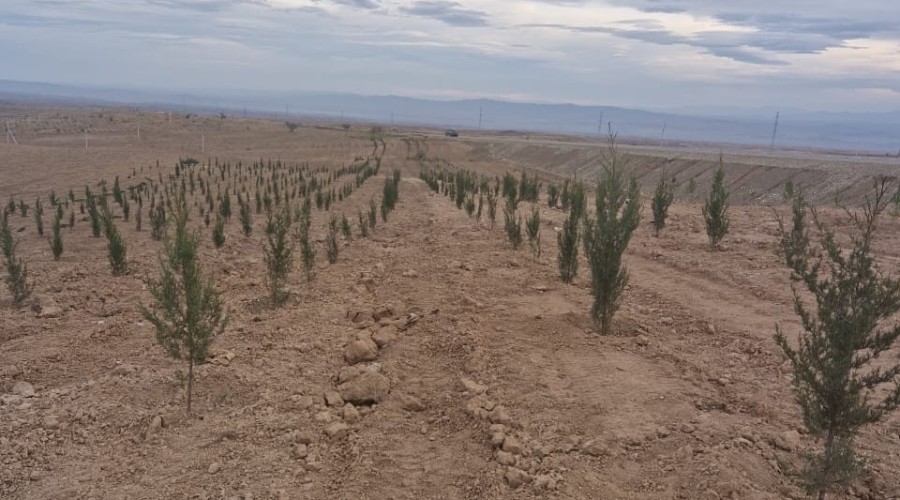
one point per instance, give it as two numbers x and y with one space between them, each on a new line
278 253
567 241
470 206
331 241
529 188
126 209
72 219
606 236
510 188
390 194
117 192
789 189
23 208
39 216
115 244
307 250
11 206
246 217
552 195
157 221
691 187
578 199
478 211
565 196
16 270
363 225
139 216
93 213
218 232
512 224
851 324
662 199
346 230
492 208
225 207
56 241
533 230
715 210
373 214
187 312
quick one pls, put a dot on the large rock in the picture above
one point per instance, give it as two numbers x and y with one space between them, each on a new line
516 477
360 350
367 388
787 441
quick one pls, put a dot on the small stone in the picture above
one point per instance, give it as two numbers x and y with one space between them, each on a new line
324 416
49 312
411 403
360 350
410 274
337 430
384 311
516 477
544 482
35 475
124 369
350 413
642 341
23 389
497 439
306 438
787 441
385 336
505 458
367 388
595 448
512 445
499 415
333 399
300 451
349 373
473 387
687 428
214 467
155 425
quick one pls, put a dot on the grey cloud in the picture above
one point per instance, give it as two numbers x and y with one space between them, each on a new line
362 4
448 12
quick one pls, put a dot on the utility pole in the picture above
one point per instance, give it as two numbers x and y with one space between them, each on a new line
600 125
480 116
662 136
775 129
10 137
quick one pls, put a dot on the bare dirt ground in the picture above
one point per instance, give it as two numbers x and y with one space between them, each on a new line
690 398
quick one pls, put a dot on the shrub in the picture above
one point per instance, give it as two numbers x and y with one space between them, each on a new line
56 241
512 224
278 254
662 199
373 214
552 195
789 189
115 245
346 230
16 270
492 208
188 312
157 221
843 334
567 241
606 236
23 208
10 206
246 217
331 241
533 230
139 216
307 250
39 216
715 210
363 225
218 233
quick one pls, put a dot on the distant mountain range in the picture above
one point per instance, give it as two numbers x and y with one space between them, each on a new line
872 132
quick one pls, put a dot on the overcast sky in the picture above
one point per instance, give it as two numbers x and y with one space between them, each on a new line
823 55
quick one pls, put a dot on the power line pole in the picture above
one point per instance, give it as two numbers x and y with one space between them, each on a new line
10 137
480 116
600 125
775 130
662 136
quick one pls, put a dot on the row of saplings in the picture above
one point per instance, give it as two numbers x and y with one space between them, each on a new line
187 312
846 329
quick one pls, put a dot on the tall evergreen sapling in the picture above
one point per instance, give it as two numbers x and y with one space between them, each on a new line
715 210
278 253
16 270
851 324
187 313
533 230
662 200
512 223
39 216
218 233
56 241
115 244
331 240
606 236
